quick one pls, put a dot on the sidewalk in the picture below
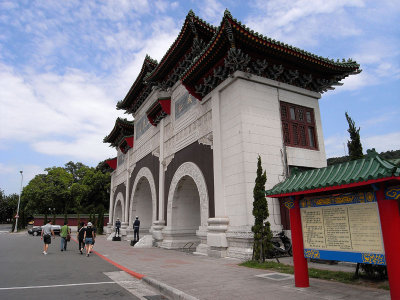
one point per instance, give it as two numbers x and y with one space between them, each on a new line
186 276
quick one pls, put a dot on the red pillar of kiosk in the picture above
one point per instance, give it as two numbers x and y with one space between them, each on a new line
299 261
390 223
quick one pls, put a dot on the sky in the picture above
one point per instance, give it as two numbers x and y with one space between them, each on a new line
64 65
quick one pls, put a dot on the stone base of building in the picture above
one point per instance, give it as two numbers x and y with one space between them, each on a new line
216 237
240 242
178 239
156 231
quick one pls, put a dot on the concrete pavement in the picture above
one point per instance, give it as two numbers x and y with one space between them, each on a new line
180 275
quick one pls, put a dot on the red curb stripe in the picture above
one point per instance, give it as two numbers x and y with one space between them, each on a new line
130 272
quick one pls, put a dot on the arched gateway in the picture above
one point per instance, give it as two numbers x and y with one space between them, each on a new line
219 98
187 210
119 207
143 200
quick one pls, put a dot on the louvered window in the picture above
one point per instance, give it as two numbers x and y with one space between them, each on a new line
298 125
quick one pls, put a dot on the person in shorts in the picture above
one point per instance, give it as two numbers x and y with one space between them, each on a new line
47 232
89 236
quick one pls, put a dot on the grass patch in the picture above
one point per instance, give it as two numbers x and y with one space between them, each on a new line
339 276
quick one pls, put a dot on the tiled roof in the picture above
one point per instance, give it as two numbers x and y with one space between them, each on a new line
122 128
371 167
149 65
259 51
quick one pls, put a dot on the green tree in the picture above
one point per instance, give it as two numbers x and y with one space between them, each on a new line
74 189
37 196
262 245
95 187
8 207
354 145
75 169
100 221
59 183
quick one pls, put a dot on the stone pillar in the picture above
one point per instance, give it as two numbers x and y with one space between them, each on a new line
161 176
216 237
111 209
157 228
126 215
300 262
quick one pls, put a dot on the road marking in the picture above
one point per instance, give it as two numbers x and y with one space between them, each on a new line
56 285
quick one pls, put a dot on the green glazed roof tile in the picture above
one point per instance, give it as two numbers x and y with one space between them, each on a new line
371 167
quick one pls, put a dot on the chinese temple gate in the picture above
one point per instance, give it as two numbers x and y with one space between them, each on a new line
218 98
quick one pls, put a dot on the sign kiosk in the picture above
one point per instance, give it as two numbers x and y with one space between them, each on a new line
345 212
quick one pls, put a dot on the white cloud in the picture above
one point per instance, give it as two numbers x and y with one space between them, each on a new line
4 169
336 145
384 142
10 176
68 112
86 147
303 22
211 11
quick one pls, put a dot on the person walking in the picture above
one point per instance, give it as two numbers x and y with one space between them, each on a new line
47 232
89 236
64 233
136 226
117 226
80 237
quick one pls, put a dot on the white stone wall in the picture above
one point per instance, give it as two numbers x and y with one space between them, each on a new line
250 125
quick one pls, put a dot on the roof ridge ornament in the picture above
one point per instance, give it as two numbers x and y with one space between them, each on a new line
228 30
372 153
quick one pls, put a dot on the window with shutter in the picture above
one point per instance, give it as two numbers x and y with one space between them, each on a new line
298 125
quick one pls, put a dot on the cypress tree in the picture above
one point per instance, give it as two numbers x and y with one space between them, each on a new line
262 229
100 221
354 145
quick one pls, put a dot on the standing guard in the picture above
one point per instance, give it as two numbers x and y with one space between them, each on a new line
117 226
136 226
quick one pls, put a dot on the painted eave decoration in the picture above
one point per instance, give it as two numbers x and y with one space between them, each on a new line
122 129
112 163
365 171
159 110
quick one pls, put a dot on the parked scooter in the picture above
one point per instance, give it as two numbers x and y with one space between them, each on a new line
282 246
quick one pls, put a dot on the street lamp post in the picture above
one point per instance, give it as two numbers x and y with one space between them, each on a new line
19 200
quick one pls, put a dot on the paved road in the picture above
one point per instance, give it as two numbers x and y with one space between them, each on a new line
28 274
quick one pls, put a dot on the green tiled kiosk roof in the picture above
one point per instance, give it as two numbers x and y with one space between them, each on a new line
371 167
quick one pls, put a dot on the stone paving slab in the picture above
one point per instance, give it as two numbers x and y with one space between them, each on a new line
205 277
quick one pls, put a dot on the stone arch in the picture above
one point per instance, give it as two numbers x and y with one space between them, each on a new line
144 174
119 207
193 171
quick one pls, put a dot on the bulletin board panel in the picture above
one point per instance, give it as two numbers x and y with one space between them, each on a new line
344 227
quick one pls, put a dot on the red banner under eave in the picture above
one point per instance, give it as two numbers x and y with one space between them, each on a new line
129 140
112 163
166 105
